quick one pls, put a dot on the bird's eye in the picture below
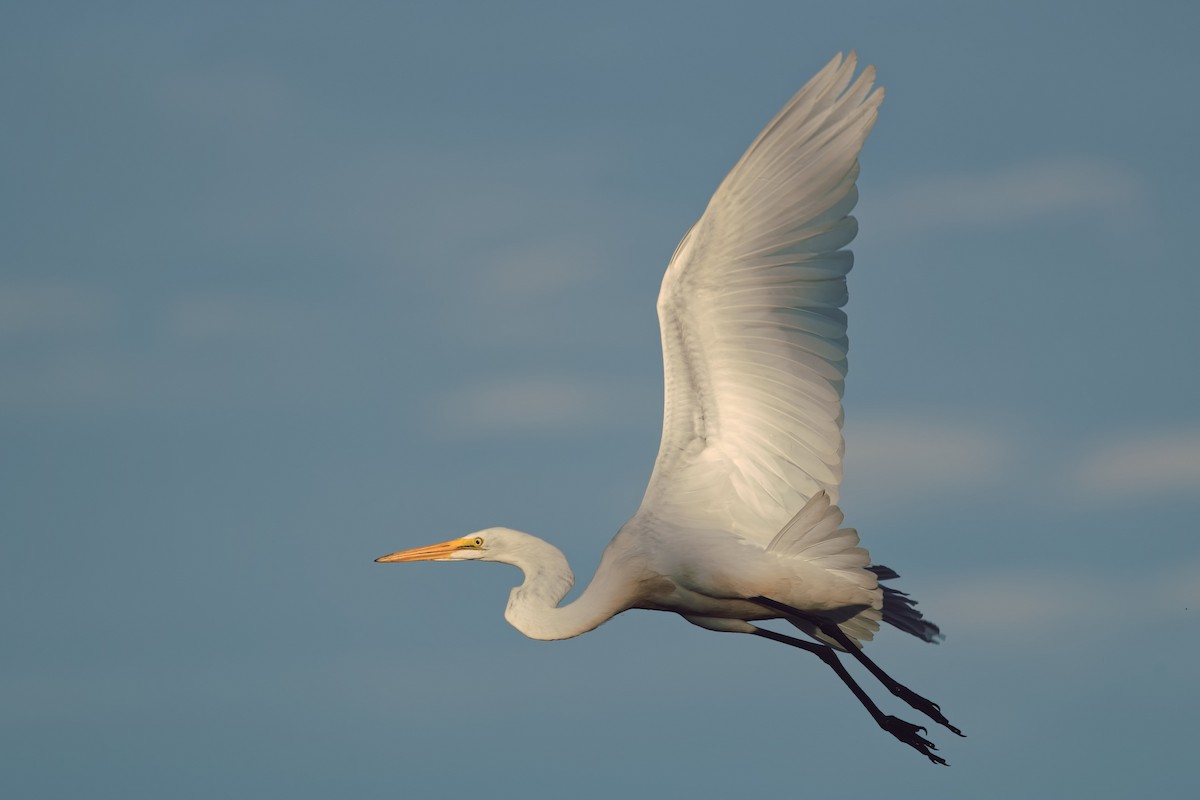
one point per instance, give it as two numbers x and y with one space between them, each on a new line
478 542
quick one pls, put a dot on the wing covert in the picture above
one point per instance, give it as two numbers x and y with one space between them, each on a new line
754 338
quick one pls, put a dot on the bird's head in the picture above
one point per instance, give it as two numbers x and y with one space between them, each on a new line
491 544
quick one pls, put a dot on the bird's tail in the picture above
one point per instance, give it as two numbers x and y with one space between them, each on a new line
815 536
900 610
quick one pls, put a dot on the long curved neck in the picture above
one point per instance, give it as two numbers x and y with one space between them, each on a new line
533 606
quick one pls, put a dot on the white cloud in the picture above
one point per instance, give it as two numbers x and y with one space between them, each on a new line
533 293
537 270
1016 194
230 98
1134 466
216 317
533 404
1017 603
53 308
900 457
193 350
1030 603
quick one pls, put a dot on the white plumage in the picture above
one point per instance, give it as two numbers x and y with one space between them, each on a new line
739 522
754 341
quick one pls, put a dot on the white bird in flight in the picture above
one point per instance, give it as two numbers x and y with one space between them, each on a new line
739 523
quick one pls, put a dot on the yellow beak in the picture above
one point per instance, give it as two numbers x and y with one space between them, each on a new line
432 552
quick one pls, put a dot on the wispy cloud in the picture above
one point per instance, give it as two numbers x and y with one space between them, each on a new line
534 404
526 292
1029 603
214 317
1133 466
900 456
229 98
74 346
514 254
534 271
47 308
1016 194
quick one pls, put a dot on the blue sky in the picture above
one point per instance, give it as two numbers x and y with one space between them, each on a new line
284 287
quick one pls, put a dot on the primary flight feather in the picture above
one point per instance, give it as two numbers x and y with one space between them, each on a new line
739 523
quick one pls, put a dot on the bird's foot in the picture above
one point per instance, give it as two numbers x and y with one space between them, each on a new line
924 705
907 733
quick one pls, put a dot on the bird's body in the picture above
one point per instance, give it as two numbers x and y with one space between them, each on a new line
739 522
706 576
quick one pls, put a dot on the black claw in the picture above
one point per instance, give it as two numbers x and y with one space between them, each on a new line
833 631
925 706
908 733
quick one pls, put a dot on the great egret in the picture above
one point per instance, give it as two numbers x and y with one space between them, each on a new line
739 522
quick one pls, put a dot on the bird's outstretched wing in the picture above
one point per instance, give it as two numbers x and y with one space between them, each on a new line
754 339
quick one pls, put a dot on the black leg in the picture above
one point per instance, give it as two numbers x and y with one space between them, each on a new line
904 731
831 629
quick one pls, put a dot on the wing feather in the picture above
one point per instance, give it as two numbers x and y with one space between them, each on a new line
754 339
